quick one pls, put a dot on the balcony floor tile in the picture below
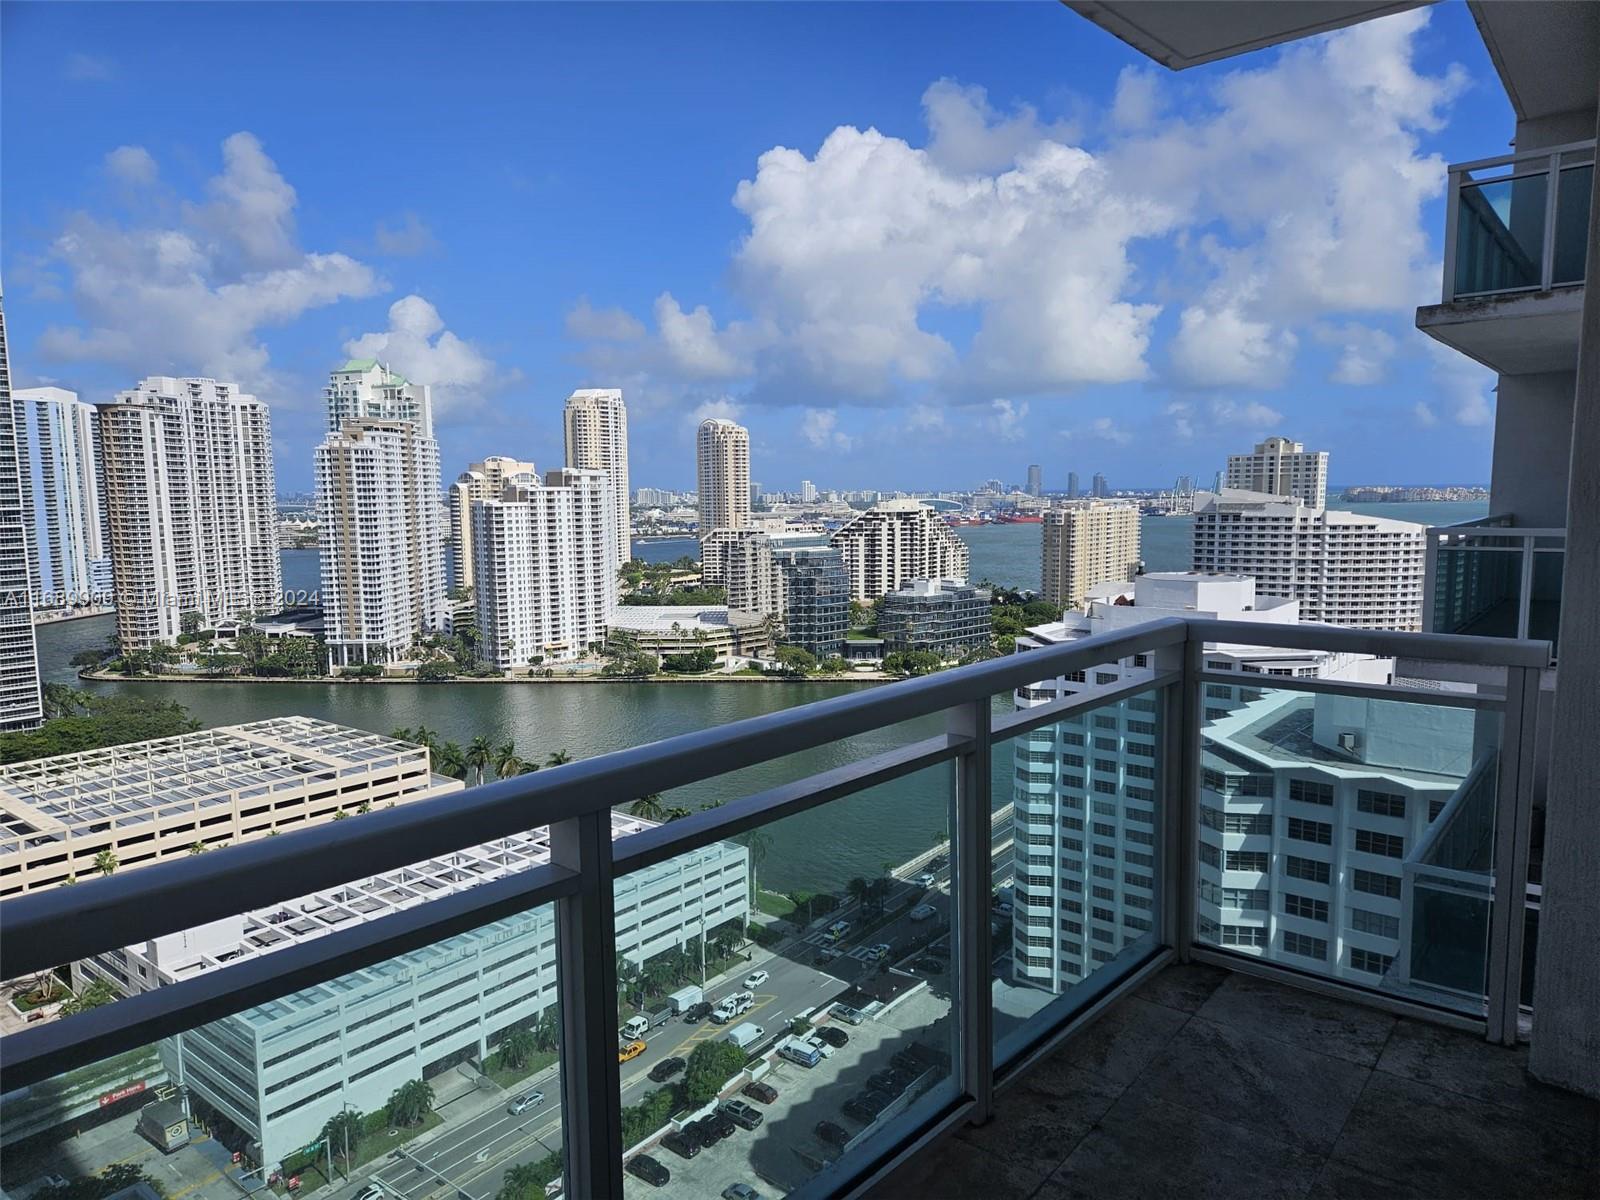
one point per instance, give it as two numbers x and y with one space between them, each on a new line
1277 1089
1184 986
958 1170
1302 1019
1123 1042
1037 1129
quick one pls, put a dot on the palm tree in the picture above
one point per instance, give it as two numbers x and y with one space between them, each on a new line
557 758
758 844
649 807
859 890
506 761
479 752
516 1048
410 1103
450 761
343 1134
106 861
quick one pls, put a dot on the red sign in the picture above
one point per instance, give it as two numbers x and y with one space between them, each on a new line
133 1089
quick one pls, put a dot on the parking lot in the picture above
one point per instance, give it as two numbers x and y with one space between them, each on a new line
785 1151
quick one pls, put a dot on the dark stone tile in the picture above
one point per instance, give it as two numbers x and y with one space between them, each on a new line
1183 986
955 1170
1347 1181
1037 1129
1149 1149
1434 1142
1300 1018
1278 1090
1124 1040
1470 1066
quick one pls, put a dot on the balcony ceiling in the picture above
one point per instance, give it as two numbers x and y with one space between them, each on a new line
1547 54
1184 33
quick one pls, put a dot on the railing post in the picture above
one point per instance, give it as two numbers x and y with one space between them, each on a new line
1185 706
586 945
1513 817
974 872
1525 590
1547 261
1452 207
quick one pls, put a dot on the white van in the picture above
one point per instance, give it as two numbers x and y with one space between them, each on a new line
746 1035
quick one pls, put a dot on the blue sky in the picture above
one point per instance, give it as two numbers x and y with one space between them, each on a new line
907 245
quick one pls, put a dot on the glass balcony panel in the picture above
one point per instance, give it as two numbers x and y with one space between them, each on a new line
438 1069
1544 602
1500 235
1572 224
1477 590
820 951
1083 903
1362 832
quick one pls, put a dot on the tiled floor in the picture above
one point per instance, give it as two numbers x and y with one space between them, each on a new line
1208 1083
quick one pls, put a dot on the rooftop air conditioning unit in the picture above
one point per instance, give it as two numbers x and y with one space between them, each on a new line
1350 742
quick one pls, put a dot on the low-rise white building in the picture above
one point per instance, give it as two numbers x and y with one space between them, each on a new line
279 1070
663 629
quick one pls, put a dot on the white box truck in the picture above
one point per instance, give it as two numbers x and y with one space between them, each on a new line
746 1035
684 999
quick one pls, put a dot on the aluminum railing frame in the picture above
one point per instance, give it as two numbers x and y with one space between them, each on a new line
44 930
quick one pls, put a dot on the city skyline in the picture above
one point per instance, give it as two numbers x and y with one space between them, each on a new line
694 332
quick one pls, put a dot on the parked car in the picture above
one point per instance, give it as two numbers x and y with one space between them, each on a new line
666 1069
755 979
889 1080
371 1192
683 1144
630 1051
521 1104
879 952
833 1035
740 1191
837 930
834 1135
850 1016
764 1092
697 1012
724 1123
857 1111
649 1170
744 1115
926 880
702 1131
922 912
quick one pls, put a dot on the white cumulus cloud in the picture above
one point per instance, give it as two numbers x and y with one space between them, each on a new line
418 345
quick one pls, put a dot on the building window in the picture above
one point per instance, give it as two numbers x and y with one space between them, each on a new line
1375 883
1309 791
1247 860
1381 804
1382 924
1387 844
1244 935
1370 961
1305 907
1306 868
1300 830
1305 946
1247 823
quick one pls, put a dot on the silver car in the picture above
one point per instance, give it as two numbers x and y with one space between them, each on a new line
521 1104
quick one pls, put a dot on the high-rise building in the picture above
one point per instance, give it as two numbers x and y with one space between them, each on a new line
1072 485
1087 809
546 580
1101 488
895 542
747 571
1344 568
481 481
1279 467
1035 480
596 424
1086 544
21 706
191 503
722 470
808 492
380 524
944 616
814 597
71 560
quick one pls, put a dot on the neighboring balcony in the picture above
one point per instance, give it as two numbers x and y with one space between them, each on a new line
1494 578
1516 237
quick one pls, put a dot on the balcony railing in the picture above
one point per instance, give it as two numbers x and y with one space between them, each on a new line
1519 222
1494 578
1359 835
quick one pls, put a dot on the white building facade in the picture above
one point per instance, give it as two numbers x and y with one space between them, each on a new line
191 505
1344 568
71 544
379 519
546 583
596 426
886 547
1279 467
481 481
21 705
722 474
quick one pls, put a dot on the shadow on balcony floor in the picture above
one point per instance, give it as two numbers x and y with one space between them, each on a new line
1208 1083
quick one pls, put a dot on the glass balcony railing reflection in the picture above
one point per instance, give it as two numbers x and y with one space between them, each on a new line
1491 578
1519 222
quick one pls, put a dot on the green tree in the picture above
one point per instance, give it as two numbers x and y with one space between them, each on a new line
343 1132
450 761
795 661
106 861
758 844
517 1048
557 758
711 1065
95 993
479 753
410 1103
527 1181
506 761
102 721
649 807
860 891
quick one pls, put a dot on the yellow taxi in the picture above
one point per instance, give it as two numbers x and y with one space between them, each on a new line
629 1051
